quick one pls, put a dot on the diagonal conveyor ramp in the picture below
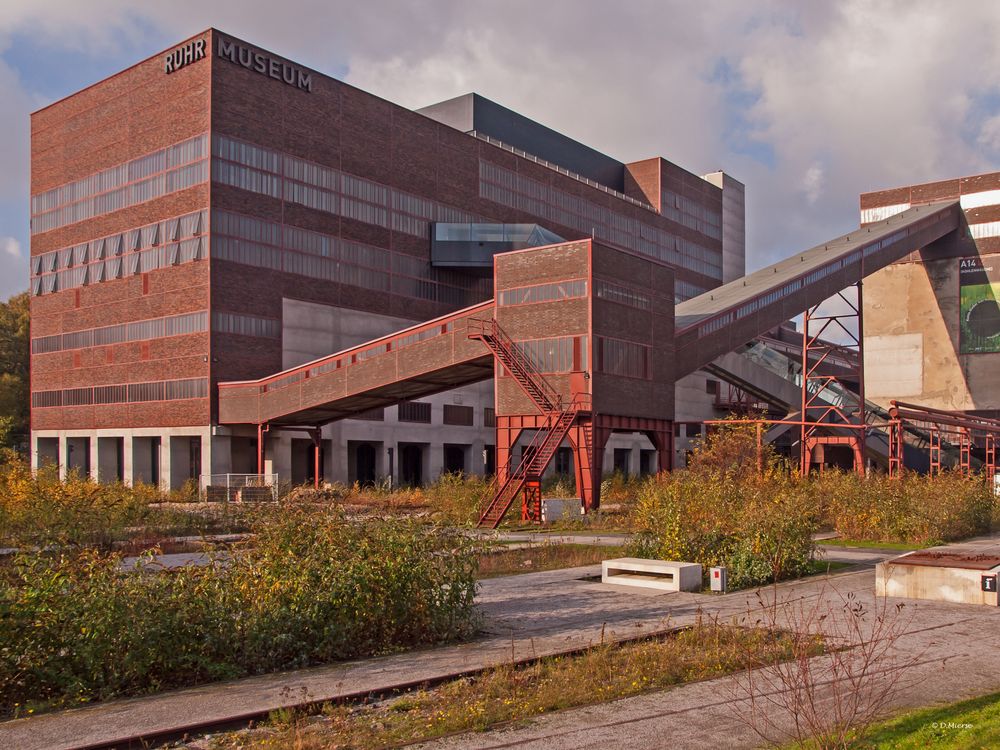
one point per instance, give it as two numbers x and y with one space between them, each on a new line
723 319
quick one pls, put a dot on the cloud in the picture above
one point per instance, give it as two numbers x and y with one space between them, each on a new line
10 247
809 104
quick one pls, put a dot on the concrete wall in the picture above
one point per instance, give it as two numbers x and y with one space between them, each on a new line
912 341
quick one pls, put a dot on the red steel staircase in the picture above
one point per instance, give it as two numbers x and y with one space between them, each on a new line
526 473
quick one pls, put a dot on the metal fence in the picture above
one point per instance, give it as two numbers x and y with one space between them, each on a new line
239 488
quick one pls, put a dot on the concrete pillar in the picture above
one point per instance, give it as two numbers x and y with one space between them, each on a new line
126 467
278 456
93 447
180 460
433 461
206 456
222 455
63 456
165 463
110 451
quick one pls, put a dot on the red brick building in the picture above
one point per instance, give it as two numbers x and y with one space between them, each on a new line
219 213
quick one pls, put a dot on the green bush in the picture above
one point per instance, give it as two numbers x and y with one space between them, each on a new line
313 588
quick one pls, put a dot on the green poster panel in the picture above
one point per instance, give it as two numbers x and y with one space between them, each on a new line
978 293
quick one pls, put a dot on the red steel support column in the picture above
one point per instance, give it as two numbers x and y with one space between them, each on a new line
581 440
965 451
991 458
600 440
663 441
817 413
508 430
317 438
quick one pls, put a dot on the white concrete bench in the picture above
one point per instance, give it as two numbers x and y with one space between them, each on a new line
652 574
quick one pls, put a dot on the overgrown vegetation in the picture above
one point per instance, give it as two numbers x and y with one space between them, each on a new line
721 511
915 509
313 587
41 510
510 693
757 517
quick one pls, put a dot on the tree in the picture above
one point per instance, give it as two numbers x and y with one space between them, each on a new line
15 350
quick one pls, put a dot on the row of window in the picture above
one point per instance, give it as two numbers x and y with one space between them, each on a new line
508 188
622 295
126 393
246 325
262 170
419 411
165 171
529 295
685 290
140 330
625 358
691 214
254 242
159 245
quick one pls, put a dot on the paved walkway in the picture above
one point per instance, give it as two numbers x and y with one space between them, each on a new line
527 616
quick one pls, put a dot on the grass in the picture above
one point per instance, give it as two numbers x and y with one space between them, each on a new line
868 544
968 725
544 556
507 694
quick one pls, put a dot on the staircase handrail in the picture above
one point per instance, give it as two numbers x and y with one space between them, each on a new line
482 328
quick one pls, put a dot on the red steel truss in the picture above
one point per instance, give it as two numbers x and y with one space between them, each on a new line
818 414
966 433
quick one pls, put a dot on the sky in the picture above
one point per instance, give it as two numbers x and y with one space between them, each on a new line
808 104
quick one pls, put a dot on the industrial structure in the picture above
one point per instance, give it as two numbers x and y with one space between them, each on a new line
240 265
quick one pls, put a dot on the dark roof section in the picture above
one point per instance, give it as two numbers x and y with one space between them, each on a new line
474 113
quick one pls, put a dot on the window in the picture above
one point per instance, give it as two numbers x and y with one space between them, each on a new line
625 358
415 411
141 330
529 295
622 295
458 415
489 417
556 355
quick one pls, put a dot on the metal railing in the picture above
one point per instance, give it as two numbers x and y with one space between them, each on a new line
237 488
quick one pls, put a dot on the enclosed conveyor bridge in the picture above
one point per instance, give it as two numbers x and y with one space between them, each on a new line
439 355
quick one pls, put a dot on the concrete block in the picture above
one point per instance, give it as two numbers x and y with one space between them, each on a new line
561 508
665 575
941 584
